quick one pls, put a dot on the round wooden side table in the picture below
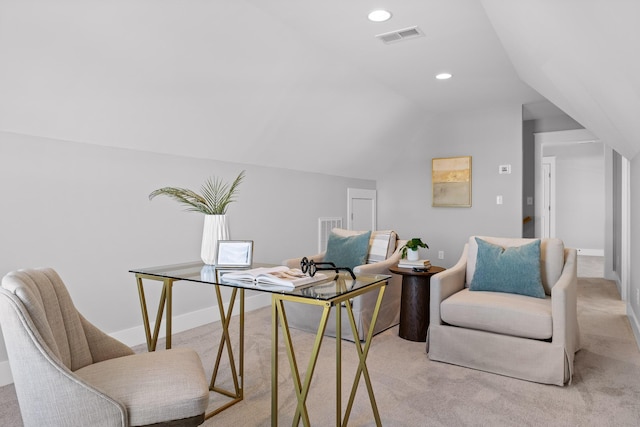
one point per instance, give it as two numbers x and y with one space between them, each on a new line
414 303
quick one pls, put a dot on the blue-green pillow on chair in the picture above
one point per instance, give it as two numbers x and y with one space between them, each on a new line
347 251
513 270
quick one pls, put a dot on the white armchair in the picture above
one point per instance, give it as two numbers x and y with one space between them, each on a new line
69 373
384 251
520 336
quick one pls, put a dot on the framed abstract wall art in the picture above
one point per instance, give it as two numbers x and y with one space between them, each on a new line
451 181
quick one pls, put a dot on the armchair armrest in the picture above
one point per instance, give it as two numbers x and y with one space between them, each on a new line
102 346
445 284
295 262
381 267
564 304
33 364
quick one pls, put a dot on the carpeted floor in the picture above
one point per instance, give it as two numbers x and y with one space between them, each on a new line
411 390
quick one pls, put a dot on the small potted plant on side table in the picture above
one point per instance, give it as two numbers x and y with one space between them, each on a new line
410 249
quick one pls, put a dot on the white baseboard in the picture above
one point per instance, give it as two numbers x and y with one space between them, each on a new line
635 325
591 252
183 322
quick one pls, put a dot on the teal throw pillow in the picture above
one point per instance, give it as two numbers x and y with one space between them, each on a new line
347 251
513 270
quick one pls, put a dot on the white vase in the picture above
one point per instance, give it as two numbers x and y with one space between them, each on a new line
412 255
215 228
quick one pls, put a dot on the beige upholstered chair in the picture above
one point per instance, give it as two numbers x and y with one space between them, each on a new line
69 373
384 251
515 335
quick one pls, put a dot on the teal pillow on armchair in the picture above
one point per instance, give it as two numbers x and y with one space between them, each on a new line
513 270
347 251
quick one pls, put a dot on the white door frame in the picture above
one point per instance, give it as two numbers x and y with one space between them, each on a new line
544 139
548 211
359 193
625 260
581 136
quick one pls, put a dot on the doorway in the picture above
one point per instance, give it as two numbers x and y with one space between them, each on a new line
361 209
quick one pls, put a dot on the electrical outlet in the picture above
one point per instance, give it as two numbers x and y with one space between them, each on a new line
440 254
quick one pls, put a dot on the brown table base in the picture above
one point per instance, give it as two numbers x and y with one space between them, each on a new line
414 304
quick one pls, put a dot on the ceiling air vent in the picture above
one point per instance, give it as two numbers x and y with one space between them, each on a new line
400 35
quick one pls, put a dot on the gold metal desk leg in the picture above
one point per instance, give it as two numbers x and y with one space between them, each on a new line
145 314
225 320
168 290
339 363
301 388
274 361
165 305
362 365
165 302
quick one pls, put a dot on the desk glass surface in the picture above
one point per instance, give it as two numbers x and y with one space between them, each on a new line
335 285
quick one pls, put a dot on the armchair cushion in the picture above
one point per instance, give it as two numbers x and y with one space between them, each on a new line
513 270
501 313
150 386
347 251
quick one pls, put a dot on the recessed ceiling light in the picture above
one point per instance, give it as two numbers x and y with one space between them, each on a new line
443 76
379 15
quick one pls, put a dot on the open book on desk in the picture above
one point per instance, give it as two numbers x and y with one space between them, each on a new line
278 276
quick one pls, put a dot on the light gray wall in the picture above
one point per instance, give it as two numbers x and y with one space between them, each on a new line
529 127
492 137
580 194
528 178
83 210
633 304
555 123
616 212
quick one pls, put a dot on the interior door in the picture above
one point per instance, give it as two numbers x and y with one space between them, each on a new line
361 209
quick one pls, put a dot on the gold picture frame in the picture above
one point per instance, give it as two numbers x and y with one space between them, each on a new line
451 181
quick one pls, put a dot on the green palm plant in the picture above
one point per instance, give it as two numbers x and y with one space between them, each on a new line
214 200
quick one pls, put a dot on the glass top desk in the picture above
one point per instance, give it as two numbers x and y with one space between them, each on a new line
334 291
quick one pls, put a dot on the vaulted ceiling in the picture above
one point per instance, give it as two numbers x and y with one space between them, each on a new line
306 84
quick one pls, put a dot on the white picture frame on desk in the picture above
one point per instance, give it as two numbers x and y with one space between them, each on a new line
234 253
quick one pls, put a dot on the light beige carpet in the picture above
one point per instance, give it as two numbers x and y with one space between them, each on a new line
411 390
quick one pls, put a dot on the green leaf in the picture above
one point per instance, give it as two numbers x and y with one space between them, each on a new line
214 200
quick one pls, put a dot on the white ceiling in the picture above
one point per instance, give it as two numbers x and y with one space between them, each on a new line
285 83
458 38
582 56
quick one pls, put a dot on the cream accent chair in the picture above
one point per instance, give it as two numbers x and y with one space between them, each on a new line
384 252
514 335
69 373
